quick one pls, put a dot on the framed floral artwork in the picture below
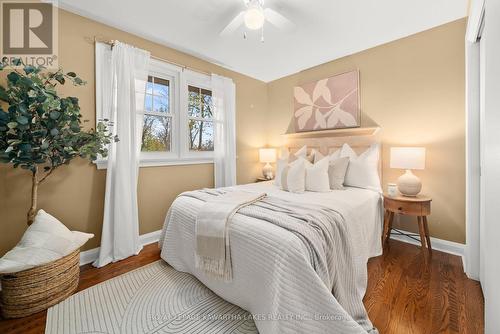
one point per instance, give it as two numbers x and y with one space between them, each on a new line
331 103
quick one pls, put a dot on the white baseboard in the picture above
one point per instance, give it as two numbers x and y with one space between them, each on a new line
150 237
441 245
91 255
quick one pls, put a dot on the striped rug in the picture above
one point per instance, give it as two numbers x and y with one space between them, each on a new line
152 299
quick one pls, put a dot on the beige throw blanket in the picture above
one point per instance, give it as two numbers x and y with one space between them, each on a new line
212 239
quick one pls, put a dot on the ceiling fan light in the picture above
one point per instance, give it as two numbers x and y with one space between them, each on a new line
254 18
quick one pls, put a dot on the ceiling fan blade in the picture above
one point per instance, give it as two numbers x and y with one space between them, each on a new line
233 25
278 20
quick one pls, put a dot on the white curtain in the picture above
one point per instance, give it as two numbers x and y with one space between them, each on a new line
223 97
123 87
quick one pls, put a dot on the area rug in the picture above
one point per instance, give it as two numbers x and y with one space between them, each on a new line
152 299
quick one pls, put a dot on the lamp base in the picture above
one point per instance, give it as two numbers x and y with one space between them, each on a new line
409 184
267 171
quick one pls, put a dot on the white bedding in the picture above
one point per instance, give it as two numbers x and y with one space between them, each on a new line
272 276
360 207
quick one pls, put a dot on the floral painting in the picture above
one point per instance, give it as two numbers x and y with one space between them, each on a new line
331 103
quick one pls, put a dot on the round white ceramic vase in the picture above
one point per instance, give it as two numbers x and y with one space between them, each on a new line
409 184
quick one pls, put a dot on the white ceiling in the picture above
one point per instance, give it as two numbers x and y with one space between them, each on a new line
324 29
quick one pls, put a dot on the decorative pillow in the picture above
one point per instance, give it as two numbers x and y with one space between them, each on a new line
293 176
336 172
285 159
335 155
302 152
317 176
46 240
315 156
363 169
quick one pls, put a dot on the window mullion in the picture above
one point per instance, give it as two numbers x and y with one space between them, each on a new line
158 113
201 119
182 121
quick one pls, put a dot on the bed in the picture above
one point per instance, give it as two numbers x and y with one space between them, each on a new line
272 277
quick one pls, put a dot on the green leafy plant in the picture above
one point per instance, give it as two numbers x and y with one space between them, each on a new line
40 130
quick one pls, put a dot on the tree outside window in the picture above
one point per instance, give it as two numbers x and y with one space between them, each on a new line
157 129
200 119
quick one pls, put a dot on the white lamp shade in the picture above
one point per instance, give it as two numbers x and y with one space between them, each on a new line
408 157
267 155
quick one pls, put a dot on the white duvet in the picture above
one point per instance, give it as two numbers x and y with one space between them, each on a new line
272 276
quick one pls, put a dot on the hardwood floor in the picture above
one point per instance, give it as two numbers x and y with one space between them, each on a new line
407 292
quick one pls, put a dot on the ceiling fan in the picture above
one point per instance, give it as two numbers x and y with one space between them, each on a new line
254 16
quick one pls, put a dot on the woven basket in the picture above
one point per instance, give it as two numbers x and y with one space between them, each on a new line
36 289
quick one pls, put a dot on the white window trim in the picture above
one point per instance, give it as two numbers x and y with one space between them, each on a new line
199 80
172 74
179 153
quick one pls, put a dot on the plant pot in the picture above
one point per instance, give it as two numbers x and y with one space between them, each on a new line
36 289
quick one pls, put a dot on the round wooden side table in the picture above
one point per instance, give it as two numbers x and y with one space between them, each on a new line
419 206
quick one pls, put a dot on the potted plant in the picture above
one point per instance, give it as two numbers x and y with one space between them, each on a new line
40 130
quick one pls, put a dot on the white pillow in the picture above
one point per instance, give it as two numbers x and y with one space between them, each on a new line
286 159
293 176
317 175
335 155
315 156
363 169
337 170
46 240
302 153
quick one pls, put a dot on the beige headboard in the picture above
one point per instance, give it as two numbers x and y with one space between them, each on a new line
328 141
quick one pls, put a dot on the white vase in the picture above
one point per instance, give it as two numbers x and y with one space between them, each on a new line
409 184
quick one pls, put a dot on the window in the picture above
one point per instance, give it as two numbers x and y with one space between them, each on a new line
178 116
200 119
178 121
157 128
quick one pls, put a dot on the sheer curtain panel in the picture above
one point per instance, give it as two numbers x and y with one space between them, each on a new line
223 96
122 84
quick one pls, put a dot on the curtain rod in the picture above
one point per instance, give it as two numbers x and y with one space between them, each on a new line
97 39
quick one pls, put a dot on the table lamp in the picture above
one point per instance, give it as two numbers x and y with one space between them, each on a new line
408 158
267 155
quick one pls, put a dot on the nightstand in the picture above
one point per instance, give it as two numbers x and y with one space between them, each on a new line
419 206
262 179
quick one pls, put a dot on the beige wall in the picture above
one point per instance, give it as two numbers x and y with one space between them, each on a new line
75 194
414 88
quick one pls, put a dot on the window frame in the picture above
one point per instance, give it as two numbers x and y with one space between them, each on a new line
179 80
202 81
168 72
